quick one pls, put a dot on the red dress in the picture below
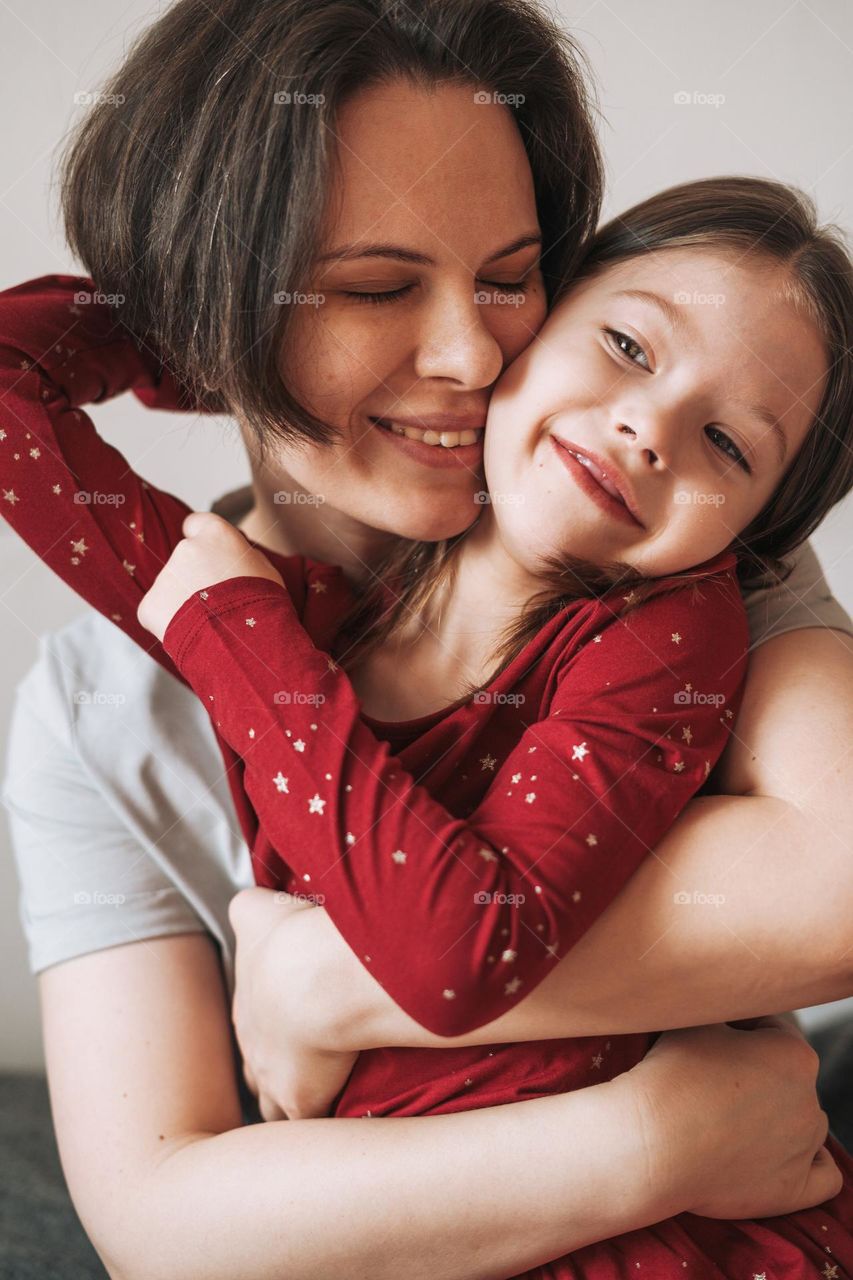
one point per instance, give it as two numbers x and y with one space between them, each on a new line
460 854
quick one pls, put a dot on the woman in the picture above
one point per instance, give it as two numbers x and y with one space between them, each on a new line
453 351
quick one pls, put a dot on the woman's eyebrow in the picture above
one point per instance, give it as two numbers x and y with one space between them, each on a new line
347 252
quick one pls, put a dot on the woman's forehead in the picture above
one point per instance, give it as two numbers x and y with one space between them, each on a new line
426 163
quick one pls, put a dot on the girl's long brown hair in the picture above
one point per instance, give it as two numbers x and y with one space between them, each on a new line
761 221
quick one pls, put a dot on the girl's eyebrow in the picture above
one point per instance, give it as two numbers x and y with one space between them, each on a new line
670 312
766 416
347 252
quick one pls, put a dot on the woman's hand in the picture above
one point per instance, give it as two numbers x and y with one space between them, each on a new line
212 550
734 1124
282 1010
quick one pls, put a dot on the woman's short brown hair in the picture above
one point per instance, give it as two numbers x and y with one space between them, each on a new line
197 195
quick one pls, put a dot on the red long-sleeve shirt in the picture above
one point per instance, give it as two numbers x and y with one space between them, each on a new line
459 854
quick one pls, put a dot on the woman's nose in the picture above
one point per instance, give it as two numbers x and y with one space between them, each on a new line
455 342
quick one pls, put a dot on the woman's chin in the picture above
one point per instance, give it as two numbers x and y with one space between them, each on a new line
425 523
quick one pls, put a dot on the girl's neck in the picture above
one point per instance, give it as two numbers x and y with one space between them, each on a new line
469 614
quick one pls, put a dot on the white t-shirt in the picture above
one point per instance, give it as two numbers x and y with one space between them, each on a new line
122 823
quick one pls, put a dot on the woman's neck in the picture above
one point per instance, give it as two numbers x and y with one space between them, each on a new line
289 520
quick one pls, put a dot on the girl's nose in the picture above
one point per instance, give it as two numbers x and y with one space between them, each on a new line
455 342
652 439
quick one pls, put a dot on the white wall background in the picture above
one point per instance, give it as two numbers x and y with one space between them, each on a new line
785 74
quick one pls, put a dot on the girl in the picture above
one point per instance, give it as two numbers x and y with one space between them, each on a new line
682 418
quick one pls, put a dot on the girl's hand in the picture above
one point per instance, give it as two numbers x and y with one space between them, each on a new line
212 551
278 1011
732 1121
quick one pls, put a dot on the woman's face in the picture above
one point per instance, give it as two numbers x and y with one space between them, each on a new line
428 268
670 369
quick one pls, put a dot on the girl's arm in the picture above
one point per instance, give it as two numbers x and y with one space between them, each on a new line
780 938
492 901
67 492
772 856
71 496
169 1185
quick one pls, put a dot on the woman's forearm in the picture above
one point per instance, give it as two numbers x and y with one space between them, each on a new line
371 1199
168 1184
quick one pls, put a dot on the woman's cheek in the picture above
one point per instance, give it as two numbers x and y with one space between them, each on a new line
517 326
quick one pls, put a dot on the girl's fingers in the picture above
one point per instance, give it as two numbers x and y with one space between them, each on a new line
825 1180
261 909
269 1110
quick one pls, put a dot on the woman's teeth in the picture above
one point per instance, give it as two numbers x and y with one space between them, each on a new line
446 439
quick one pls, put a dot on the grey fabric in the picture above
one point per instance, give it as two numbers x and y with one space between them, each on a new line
40 1234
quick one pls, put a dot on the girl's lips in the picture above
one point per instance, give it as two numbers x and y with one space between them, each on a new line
586 481
469 456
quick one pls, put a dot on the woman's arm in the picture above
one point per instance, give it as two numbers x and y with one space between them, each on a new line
495 898
168 1185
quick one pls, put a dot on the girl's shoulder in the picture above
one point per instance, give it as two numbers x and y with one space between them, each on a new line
698 615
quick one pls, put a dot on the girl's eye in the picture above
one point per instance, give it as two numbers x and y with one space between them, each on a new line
733 451
391 295
628 347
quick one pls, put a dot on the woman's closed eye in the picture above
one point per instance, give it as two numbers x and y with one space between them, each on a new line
391 295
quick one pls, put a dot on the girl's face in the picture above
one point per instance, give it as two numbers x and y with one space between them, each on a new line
432 225
692 380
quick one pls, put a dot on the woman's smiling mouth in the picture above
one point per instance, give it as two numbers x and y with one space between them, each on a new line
437 441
